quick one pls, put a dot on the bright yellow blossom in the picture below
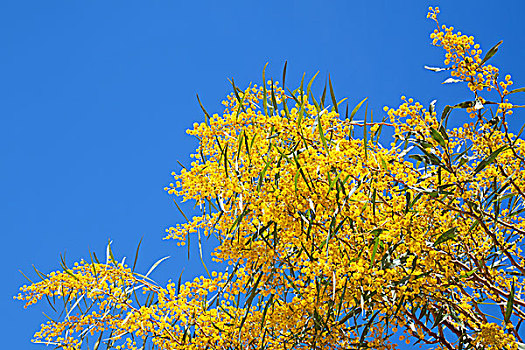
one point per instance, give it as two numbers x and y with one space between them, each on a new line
332 241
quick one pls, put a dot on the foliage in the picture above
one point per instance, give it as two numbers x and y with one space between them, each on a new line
332 240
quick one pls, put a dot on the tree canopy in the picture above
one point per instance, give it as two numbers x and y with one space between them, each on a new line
334 236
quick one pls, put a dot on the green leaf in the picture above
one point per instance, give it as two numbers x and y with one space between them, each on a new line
407 206
266 310
374 202
489 159
284 72
241 137
66 269
179 282
180 210
445 236
238 97
468 274
464 104
367 328
182 166
265 106
207 116
432 158
248 302
419 158
323 96
374 250
263 173
383 163
317 107
510 304
27 278
301 172
440 316
332 183
226 161
365 141
239 218
437 136
443 132
491 53
343 100
446 112
350 314
136 255
462 161
321 133
334 101
514 213
295 178
309 86
274 100
354 111
432 106
248 147
517 90
186 329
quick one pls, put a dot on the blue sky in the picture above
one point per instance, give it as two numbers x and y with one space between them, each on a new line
95 97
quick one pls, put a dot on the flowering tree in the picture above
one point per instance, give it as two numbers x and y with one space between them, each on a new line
332 240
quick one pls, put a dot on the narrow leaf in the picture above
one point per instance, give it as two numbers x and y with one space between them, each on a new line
510 304
188 220
445 236
446 112
354 111
489 159
155 265
266 310
136 255
334 101
517 90
374 250
284 72
491 52
323 96
465 104
321 134
207 116
437 136
309 86
265 106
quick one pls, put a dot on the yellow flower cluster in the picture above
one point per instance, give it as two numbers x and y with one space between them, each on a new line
463 56
493 336
331 241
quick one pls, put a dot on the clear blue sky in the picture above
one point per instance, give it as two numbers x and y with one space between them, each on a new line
95 97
